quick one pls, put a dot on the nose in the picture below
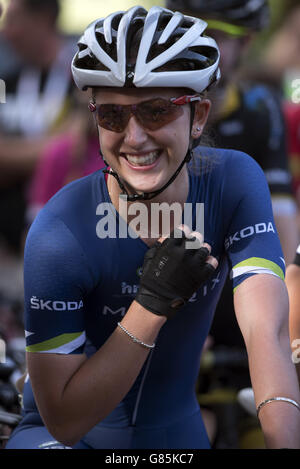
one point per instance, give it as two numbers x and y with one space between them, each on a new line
135 134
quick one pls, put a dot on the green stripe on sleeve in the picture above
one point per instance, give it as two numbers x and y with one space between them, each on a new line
261 262
256 265
53 343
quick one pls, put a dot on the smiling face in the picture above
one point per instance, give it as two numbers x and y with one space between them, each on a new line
146 159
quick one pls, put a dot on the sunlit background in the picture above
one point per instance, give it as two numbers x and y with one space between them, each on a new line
77 14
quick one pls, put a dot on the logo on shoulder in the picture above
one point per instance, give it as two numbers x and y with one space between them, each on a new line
56 305
259 228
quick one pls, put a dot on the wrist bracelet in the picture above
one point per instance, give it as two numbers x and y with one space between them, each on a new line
271 399
138 341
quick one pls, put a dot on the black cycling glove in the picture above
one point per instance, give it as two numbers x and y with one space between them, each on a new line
172 273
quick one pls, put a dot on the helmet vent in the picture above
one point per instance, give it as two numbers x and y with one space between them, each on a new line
86 60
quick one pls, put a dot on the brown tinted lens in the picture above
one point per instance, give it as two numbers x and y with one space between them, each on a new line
156 113
113 117
151 114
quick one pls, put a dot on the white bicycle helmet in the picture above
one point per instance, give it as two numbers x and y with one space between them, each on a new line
252 14
172 51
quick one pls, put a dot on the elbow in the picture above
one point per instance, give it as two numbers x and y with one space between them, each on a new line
68 444
65 439
64 434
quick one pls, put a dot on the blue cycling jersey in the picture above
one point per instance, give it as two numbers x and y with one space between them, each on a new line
79 285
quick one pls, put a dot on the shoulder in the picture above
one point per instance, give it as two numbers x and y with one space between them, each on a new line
78 194
70 212
231 176
227 177
56 244
222 162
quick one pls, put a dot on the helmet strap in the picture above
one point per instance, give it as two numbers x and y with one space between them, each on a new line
147 195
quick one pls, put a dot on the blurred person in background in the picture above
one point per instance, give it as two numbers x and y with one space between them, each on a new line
70 156
281 67
281 55
292 114
9 62
38 98
249 117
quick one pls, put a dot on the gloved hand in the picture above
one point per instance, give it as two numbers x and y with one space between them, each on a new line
172 272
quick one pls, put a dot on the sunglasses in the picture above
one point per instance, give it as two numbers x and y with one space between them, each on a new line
152 114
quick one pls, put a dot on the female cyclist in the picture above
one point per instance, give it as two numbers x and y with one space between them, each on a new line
118 307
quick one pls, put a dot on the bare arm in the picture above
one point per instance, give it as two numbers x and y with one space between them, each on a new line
288 233
74 393
261 305
293 286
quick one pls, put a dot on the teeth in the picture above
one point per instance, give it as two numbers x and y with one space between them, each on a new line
143 160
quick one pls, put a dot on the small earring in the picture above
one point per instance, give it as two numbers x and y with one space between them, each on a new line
92 106
196 130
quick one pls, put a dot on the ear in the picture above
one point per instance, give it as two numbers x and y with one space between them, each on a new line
202 109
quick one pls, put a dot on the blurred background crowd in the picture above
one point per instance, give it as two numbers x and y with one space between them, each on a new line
47 139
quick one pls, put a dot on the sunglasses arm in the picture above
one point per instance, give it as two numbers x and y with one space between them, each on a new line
185 99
